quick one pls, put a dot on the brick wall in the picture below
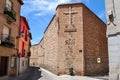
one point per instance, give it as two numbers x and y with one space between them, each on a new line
95 44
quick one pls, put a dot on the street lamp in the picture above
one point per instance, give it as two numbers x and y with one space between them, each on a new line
111 18
112 14
21 33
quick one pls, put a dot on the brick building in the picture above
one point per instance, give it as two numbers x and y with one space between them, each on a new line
76 38
24 44
9 29
113 34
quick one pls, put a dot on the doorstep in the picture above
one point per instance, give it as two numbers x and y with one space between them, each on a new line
4 78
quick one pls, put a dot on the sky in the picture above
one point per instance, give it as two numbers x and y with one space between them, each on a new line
40 12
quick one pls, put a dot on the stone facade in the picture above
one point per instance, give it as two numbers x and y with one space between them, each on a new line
113 34
34 55
9 28
76 38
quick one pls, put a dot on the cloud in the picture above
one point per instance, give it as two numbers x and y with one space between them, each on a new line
40 7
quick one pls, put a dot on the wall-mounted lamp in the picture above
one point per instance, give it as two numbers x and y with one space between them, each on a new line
98 60
21 33
111 18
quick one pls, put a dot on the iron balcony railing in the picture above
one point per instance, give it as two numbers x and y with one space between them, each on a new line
28 54
10 13
7 41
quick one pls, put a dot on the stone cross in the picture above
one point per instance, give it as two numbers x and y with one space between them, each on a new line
70 13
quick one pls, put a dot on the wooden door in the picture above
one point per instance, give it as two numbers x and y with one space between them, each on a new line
3 66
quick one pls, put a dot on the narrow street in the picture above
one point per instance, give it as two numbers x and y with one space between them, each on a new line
33 73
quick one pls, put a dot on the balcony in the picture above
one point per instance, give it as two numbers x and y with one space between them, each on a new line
7 41
11 14
29 54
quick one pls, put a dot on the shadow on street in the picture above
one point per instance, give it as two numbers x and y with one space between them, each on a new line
33 73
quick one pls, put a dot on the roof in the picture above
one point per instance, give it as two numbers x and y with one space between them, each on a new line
35 45
26 21
21 2
71 3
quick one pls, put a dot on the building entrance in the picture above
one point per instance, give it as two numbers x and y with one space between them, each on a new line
3 66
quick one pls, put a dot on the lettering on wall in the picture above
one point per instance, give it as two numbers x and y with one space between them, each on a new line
69 43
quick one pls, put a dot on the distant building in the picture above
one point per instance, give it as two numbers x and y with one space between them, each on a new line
34 59
76 38
113 34
9 30
24 44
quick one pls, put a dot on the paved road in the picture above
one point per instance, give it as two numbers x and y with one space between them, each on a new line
50 76
32 73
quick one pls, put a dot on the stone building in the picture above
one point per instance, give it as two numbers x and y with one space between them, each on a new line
34 55
37 55
76 38
9 29
113 34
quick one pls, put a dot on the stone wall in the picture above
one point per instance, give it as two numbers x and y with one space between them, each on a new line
51 46
34 55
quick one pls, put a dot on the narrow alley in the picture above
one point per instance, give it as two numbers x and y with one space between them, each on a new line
33 73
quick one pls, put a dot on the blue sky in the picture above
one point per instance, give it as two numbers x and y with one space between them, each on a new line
40 12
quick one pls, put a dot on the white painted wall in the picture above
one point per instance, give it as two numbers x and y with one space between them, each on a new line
114 40
23 64
114 57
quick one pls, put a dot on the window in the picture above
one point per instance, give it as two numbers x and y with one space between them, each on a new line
23 50
26 35
9 5
6 33
22 30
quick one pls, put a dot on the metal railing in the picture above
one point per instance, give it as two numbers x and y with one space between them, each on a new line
6 40
10 13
